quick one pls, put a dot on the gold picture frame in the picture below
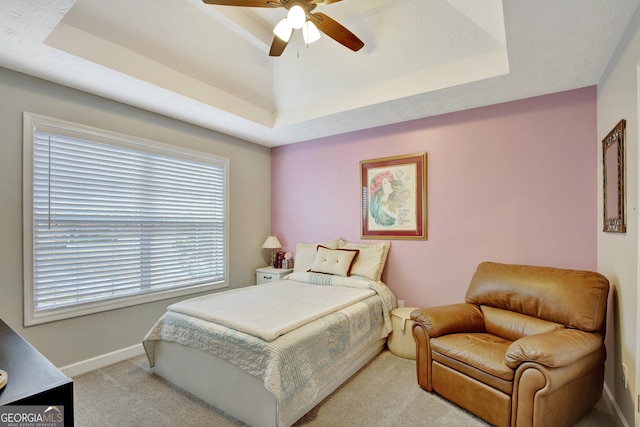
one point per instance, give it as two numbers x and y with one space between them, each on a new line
394 197
613 179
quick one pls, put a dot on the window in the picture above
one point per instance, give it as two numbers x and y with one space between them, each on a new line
112 220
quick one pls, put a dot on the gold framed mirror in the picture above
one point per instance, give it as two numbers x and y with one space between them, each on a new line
613 179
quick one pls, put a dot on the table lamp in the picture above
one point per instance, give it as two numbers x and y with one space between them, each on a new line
273 243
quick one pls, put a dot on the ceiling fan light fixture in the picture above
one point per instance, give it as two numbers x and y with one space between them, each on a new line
310 32
283 30
296 16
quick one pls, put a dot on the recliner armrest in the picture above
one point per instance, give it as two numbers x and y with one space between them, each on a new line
449 319
553 349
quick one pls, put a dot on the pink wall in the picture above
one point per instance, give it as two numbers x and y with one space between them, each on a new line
514 182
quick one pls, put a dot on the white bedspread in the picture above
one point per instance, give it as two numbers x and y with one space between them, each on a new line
268 311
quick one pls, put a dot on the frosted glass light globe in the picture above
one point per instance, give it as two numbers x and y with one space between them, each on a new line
310 32
283 30
296 17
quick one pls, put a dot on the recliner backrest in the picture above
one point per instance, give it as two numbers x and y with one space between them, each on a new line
512 325
576 299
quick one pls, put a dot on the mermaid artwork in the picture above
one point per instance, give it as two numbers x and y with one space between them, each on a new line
387 196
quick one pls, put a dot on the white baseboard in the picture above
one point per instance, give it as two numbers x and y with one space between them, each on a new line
98 362
620 420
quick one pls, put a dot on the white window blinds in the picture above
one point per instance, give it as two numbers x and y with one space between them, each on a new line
114 219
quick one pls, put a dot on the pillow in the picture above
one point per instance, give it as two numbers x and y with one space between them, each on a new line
371 259
334 261
306 254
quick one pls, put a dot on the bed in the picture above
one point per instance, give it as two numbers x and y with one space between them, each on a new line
268 354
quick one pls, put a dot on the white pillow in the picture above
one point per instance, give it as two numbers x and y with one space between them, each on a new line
371 259
334 261
306 254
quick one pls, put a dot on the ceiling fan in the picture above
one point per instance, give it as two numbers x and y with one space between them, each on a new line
299 16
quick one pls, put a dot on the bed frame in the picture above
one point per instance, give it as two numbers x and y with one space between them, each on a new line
236 392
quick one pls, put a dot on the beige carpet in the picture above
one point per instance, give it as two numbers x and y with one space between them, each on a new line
383 393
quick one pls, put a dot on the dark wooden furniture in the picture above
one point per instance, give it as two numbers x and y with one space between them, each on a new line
33 380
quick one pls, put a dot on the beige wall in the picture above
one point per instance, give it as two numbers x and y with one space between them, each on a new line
74 340
618 253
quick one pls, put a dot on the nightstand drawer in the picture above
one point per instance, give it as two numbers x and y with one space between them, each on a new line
266 277
270 274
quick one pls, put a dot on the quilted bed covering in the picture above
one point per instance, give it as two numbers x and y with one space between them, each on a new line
293 365
268 311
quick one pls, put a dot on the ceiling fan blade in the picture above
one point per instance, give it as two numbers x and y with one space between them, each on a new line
278 46
245 3
337 32
324 1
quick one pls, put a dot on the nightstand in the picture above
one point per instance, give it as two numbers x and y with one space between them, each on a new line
270 274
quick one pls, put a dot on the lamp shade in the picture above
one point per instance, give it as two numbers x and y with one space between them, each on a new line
272 242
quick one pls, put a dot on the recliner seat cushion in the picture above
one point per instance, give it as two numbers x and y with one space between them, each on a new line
484 352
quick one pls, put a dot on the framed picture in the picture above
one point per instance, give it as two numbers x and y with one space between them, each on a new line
613 179
394 197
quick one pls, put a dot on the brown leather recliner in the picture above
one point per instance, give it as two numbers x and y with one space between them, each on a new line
525 349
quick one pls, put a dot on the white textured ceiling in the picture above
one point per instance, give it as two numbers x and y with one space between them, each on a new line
209 65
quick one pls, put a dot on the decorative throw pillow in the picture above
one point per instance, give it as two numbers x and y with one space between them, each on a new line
334 261
371 259
306 254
